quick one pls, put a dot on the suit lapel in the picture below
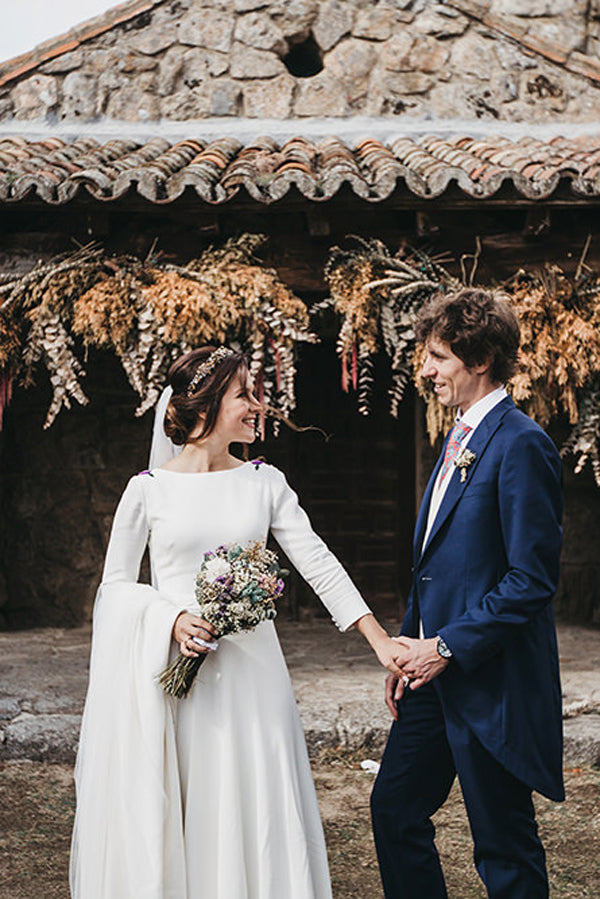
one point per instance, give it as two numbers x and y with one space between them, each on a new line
425 502
477 445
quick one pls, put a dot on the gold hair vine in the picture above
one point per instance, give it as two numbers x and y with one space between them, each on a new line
205 368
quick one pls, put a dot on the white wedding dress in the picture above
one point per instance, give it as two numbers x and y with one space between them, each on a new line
209 797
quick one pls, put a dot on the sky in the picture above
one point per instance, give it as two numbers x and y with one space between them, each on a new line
26 23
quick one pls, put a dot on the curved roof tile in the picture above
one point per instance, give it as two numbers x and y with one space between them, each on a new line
160 171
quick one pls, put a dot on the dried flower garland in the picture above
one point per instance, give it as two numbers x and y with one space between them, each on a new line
148 313
560 341
377 294
584 440
560 355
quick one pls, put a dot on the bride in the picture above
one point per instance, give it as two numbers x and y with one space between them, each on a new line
208 797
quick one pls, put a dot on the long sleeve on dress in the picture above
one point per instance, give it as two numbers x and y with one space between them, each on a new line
128 536
128 540
316 563
127 741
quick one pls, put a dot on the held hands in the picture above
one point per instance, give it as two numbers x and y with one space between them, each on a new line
387 651
420 662
380 642
188 626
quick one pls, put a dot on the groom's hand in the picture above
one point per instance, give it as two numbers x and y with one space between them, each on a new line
394 688
420 660
387 650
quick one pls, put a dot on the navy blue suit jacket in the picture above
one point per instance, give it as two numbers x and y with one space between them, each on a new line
484 582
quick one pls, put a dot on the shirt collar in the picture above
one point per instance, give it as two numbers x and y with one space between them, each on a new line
477 412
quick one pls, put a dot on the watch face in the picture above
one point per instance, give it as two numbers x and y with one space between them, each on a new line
443 649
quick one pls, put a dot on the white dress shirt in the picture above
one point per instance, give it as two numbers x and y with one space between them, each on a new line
473 418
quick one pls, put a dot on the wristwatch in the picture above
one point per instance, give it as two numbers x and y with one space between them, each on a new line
443 650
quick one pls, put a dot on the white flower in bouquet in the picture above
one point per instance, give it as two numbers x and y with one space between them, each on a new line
215 568
236 590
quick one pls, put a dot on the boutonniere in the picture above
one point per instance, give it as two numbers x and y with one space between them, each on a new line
463 461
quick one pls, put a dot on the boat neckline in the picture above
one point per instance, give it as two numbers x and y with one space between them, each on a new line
196 473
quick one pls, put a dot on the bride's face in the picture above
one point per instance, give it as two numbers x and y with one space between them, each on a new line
236 421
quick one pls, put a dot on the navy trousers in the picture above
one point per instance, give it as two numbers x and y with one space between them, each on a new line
422 757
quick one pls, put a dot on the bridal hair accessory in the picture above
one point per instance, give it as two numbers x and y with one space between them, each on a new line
463 461
236 589
205 368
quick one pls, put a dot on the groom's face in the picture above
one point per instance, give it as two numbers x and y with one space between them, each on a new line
454 384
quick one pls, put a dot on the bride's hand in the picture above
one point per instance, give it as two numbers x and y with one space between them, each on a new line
187 626
386 649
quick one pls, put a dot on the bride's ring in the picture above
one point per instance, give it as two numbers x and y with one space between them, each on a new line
405 680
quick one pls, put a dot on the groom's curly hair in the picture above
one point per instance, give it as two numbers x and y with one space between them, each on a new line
479 325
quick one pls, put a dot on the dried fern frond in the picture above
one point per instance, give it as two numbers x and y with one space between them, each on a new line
49 341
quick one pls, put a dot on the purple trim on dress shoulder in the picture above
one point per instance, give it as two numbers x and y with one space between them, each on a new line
257 463
146 471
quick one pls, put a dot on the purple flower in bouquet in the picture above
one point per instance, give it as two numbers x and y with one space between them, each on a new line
236 589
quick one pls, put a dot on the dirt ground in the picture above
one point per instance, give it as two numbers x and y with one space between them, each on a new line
36 813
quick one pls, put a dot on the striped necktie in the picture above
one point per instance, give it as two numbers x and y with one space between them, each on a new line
457 435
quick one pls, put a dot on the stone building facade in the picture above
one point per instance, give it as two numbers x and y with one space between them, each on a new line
151 60
209 69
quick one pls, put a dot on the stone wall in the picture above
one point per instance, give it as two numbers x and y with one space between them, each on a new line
516 60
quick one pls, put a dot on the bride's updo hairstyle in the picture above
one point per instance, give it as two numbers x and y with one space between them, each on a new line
195 394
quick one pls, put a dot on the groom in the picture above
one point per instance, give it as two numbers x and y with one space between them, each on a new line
481 697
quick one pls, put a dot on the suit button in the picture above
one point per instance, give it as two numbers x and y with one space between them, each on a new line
425 578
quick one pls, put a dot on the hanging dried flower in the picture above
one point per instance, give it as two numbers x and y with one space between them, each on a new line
584 440
105 315
560 341
377 294
149 313
11 340
560 355
48 341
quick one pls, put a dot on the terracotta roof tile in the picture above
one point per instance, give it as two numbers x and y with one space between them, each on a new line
524 34
12 69
550 49
585 65
160 170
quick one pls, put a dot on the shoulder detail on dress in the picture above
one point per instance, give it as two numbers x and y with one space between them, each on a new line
261 465
269 474
145 471
137 482
258 462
